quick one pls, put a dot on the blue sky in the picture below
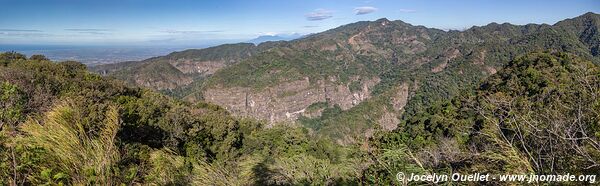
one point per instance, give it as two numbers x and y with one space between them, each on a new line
148 22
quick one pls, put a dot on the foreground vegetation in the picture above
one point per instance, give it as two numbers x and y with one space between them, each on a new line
539 115
63 125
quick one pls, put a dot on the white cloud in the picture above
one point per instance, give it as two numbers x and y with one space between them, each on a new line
23 33
268 33
407 10
88 29
364 10
319 14
19 30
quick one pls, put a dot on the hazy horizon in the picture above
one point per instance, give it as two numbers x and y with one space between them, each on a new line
181 23
115 31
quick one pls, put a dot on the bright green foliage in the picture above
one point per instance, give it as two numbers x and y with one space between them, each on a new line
12 102
548 103
166 169
80 157
389 162
287 155
85 129
539 114
5 158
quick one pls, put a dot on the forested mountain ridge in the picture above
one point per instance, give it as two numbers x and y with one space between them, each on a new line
179 69
368 75
483 51
586 28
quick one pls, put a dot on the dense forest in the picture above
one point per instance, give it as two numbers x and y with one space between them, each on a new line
61 124
64 125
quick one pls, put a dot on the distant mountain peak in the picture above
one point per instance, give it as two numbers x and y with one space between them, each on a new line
589 14
382 20
274 37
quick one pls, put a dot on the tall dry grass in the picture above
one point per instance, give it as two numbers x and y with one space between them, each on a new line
86 159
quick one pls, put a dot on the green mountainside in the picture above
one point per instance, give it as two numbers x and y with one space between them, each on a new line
484 58
61 125
358 78
179 69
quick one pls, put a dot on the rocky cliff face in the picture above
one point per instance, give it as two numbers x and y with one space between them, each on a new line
389 120
287 101
201 67
323 61
416 54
